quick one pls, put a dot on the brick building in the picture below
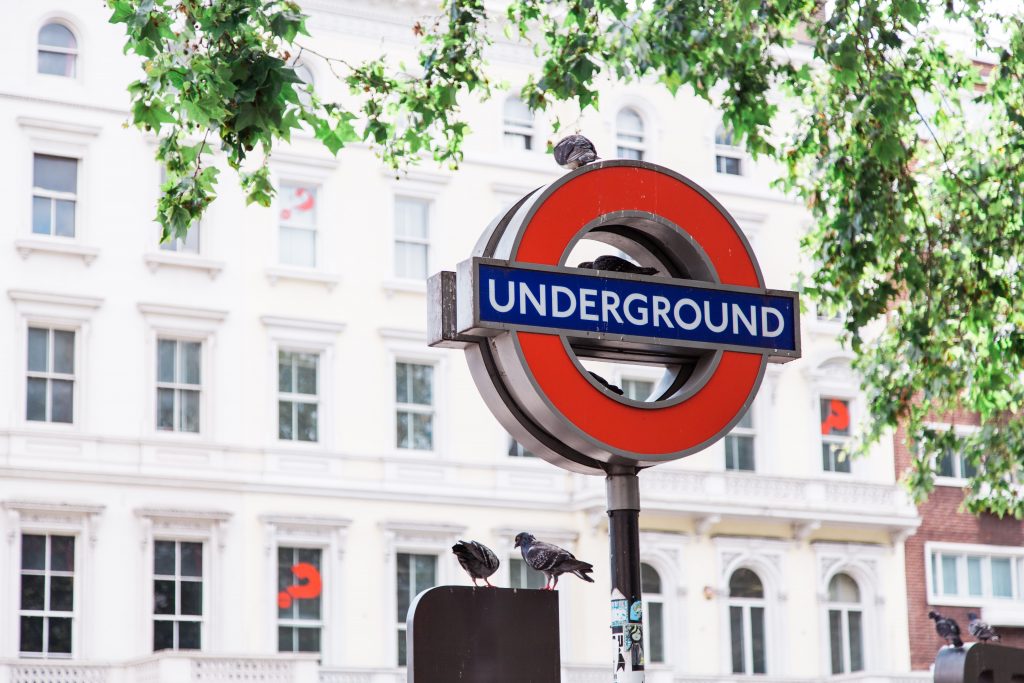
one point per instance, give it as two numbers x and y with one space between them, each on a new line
958 562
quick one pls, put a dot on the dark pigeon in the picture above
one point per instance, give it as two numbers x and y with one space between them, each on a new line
574 151
551 560
478 560
947 628
614 264
606 384
980 630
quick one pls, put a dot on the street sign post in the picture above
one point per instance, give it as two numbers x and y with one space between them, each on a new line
526 319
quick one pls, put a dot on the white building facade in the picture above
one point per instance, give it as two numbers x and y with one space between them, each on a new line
181 424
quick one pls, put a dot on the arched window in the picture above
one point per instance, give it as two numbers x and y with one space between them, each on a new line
728 157
306 74
845 625
654 614
518 124
629 135
746 622
58 50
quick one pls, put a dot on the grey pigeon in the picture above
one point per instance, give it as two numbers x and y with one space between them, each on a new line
947 628
478 560
551 560
606 384
574 151
980 630
615 264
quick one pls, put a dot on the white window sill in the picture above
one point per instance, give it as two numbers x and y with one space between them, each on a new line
405 286
985 603
63 246
952 482
156 260
328 280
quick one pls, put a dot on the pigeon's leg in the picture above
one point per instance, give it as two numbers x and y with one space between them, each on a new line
488 582
555 583
474 582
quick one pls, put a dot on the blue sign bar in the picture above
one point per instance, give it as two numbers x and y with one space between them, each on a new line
681 312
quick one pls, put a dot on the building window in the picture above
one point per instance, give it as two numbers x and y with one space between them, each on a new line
629 135
185 245
835 433
728 157
297 225
518 124
299 620
415 574
50 386
975 575
521 575
178 385
58 50
845 625
298 400
47 595
54 195
305 74
739 444
177 595
414 397
412 238
637 389
518 450
746 622
654 610
955 465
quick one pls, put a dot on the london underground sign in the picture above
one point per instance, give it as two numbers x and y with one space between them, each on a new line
527 318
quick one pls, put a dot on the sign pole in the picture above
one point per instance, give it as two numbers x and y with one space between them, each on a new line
624 544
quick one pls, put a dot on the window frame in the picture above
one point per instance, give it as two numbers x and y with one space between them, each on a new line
641 146
835 439
427 242
962 551
295 397
520 128
728 151
178 579
957 480
77 52
54 196
46 613
742 432
659 598
318 249
844 608
177 386
50 375
416 408
293 623
746 621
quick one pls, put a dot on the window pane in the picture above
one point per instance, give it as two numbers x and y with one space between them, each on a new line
309 608
517 113
298 247
736 631
309 556
411 260
284 371
967 468
757 638
284 420
949 580
33 551
31 634
745 584
402 382
411 218
401 647
60 635
62 593
305 373
190 362
284 639
191 242
165 408
309 639
739 452
935 573
64 218
402 425
724 136
630 153
835 638
166 352
835 416
629 124
298 206
163 597
1002 584
650 582
192 597
426 570
637 389
163 558
944 464
727 165
189 410
423 432
35 399
57 35
307 421
62 553
656 632
38 349
33 587
56 63
403 584
842 588
62 401
41 218
58 174
163 635
518 141
191 559
974 575
189 635
422 384
856 641
64 352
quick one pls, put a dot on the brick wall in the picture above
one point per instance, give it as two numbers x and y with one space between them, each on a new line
941 521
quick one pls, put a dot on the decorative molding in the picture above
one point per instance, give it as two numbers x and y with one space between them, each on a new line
50 125
558 536
305 324
173 311
39 297
156 260
395 286
403 334
328 280
416 176
803 530
39 507
291 158
208 517
702 525
28 246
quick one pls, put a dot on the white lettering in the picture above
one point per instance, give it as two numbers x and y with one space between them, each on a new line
587 302
661 308
503 308
725 317
539 303
562 312
610 305
630 316
765 312
738 317
679 314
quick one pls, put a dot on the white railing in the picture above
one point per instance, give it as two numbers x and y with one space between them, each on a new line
168 667
576 673
26 671
361 675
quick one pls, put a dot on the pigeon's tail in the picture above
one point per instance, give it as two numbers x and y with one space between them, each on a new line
582 569
957 642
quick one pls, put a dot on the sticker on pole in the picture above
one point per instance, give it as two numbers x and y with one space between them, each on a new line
676 292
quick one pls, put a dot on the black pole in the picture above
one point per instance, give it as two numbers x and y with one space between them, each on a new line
624 542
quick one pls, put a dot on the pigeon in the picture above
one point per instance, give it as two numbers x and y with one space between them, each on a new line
551 560
980 630
947 628
615 264
574 151
478 560
606 384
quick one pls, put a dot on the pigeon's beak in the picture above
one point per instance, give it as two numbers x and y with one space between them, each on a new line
517 544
